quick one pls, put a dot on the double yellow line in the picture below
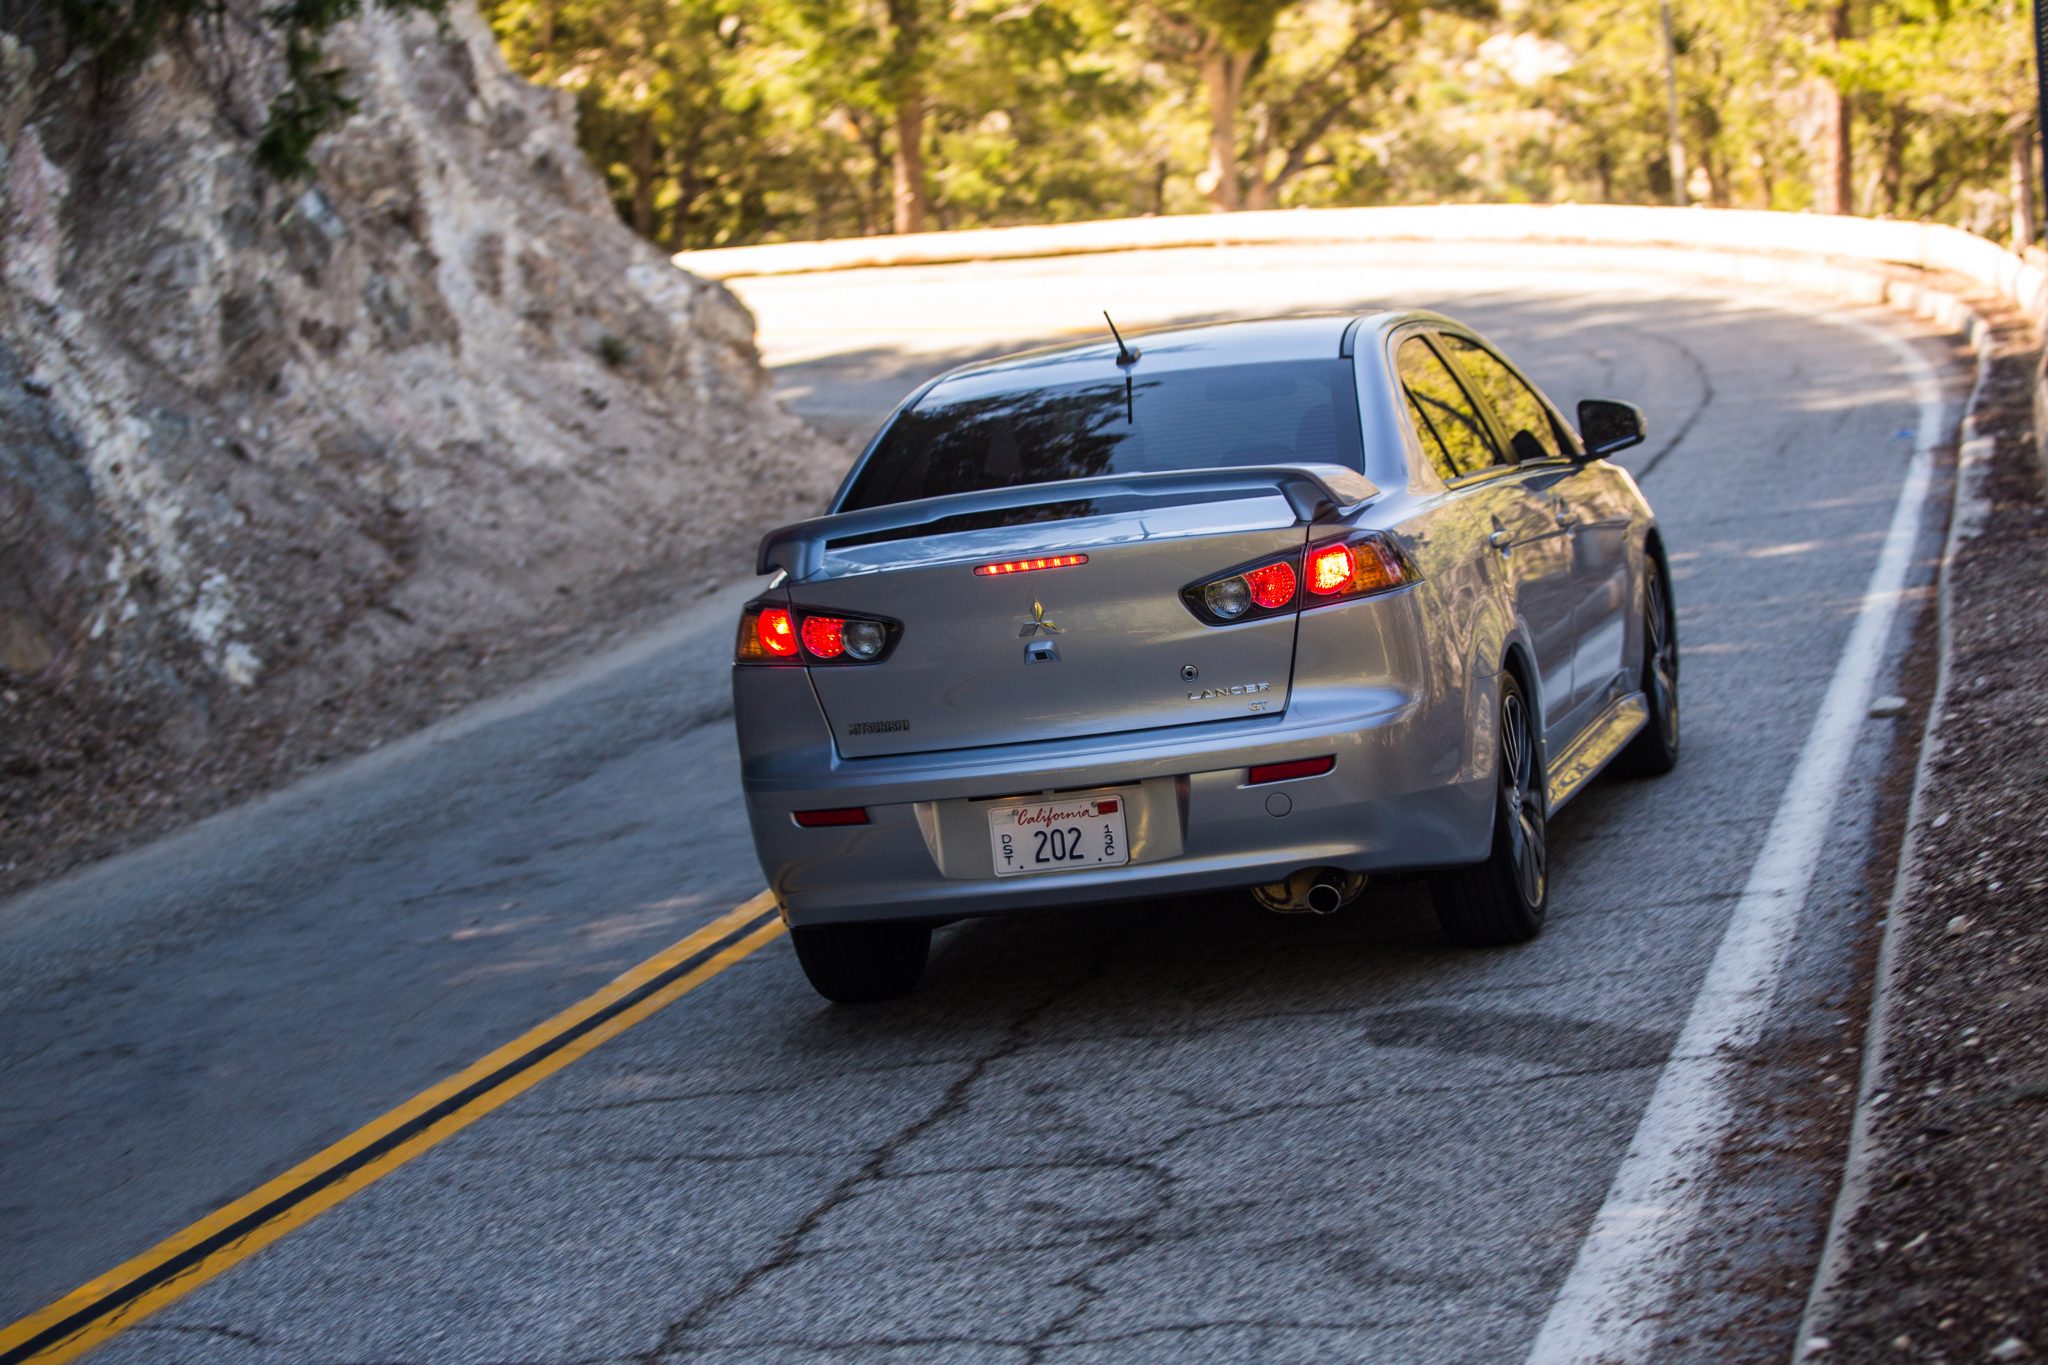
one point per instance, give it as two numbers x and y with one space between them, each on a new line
117 1300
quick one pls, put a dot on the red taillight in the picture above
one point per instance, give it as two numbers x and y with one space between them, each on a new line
1330 569
825 636
1357 567
1027 565
774 631
827 819
1293 768
771 634
1272 586
1362 563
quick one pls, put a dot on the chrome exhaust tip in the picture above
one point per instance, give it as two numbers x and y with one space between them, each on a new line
1311 891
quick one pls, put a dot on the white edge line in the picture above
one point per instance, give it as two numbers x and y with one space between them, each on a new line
1627 1265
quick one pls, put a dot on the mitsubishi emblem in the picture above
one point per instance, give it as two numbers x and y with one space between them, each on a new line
1037 623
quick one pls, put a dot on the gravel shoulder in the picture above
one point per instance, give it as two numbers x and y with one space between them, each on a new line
1942 1259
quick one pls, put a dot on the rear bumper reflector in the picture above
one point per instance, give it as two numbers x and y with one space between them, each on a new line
1293 768
824 819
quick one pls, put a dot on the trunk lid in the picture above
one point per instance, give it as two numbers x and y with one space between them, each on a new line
1098 648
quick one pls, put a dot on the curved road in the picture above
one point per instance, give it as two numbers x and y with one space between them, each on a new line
1140 1132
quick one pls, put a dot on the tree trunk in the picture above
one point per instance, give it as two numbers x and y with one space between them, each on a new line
642 164
2023 185
1837 169
1260 190
1893 178
1675 150
875 199
682 172
910 203
1224 72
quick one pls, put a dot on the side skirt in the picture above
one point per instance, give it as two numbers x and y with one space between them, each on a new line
1600 741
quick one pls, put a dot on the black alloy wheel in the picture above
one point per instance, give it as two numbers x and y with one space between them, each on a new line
1654 751
1504 899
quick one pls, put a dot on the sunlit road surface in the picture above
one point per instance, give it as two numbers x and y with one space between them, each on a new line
1170 1129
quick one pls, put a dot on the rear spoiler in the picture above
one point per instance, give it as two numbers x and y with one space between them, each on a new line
1314 491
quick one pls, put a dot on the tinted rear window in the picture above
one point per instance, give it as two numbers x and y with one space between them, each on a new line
1281 412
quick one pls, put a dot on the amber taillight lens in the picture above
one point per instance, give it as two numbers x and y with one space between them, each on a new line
767 636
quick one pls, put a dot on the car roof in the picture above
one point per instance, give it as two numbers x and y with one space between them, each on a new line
1314 336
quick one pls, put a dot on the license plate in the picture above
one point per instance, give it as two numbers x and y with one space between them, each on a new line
1058 836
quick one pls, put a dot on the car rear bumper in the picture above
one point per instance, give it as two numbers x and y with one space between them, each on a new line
1401 795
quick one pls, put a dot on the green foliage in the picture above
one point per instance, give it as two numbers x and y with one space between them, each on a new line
311 103
118 35
720 122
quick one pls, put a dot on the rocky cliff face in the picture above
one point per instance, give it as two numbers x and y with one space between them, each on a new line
267 450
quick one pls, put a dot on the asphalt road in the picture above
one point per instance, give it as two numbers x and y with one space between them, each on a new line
1147 1131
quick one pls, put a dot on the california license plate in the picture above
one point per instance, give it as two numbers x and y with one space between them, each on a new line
1058 835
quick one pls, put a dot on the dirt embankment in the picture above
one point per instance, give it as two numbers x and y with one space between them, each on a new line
1943 1259
285 469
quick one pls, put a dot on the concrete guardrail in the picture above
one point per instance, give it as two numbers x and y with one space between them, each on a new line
1815 252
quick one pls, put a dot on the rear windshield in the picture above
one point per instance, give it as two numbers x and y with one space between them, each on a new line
1280 412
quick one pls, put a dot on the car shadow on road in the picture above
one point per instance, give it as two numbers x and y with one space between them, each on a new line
1166 966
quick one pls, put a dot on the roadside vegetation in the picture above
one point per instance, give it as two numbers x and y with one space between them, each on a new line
723 122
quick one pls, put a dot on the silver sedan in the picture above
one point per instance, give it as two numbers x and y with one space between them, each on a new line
1284 605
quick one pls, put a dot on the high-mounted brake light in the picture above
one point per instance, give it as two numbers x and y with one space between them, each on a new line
1028 565
1295 767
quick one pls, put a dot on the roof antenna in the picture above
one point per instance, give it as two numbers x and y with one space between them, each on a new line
1124 354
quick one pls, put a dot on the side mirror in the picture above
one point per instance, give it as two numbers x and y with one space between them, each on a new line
1607 426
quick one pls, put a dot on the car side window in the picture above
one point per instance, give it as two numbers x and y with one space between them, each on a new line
1432 445
1522 415
1449 416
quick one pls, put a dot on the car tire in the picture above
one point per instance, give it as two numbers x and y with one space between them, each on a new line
1503 899
1654 750
858 964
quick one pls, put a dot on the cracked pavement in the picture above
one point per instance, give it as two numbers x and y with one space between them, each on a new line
1142 1131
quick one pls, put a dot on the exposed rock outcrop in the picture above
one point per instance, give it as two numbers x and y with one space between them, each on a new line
265 447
